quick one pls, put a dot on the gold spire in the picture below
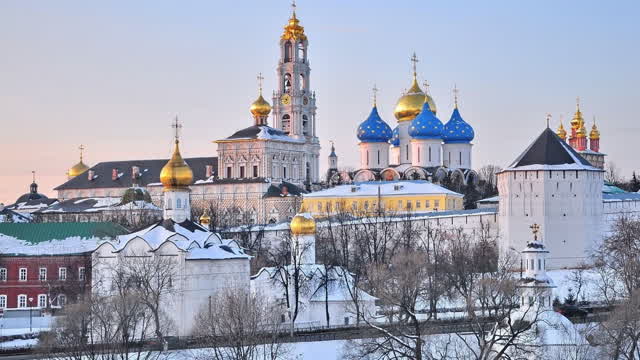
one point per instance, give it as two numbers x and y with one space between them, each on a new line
260 108
375 96
595 133
455 96
80 167
410 104
293 30
205 219
176 174
562 133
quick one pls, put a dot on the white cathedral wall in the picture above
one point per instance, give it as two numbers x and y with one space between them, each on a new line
394 155
457 156
426 152
566 204
405 142
374 155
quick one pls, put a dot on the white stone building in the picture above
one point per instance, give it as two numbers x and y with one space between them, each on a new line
203 263
321 290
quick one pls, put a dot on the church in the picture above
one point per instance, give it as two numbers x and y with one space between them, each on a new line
261 170
420 147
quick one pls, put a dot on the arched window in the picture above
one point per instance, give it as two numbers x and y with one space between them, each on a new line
284 172
302 53
429 153
287 52
178 203
305 125
460 158
367 157
168 204
287 83
302 83
308 173
286 123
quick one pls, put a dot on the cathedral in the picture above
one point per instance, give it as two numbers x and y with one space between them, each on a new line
420 147
260 170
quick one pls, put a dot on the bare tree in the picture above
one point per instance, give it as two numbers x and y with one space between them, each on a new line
241 325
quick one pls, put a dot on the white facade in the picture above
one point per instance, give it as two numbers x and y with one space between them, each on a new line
406 156
457 155
177 206
426 152
374 155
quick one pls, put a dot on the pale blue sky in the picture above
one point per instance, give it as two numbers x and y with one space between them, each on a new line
111 75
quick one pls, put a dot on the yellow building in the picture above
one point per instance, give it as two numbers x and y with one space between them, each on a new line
370 198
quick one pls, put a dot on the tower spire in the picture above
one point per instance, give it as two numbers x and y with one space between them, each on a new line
176 127
548 119
260 79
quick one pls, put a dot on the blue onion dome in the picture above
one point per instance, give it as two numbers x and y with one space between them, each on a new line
457 130
374 129
395 138
426 125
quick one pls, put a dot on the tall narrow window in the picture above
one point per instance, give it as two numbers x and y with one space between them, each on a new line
3 274
62 300
178 203
242 172
62 273
407 151
81 274
419 153
42 301
378 157
255 170
228 172
42 275
284 172
429 153
287 52
460 158
23 274
3 301
22 301
367 158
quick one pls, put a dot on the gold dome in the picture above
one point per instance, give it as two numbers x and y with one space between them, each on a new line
260 107
78 169
595 133
205 219
176 174
410 104
582 132
577 122
562 133
293 30
303 224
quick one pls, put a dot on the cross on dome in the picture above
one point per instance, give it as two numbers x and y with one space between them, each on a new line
176 127
260 79
414 60
33 175
375 94
535 228
455 94
81 148
426 86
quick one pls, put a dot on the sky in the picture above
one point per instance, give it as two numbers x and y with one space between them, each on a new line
112 75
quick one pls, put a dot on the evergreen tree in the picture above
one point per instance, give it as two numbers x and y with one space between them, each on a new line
471 197
634 184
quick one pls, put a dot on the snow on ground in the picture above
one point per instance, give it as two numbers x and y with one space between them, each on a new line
563 281
18 326
19 343
317 350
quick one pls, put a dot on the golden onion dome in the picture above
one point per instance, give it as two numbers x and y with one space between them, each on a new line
303 224
582 132
562 133
260 107
176 174
205 219
293 30
595 133
78 169
410 104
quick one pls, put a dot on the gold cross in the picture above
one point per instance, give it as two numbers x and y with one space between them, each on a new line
375 94
260 78
426 87
578 102
455 95
293 6
414 60
535 228
33 174
81 148
176 126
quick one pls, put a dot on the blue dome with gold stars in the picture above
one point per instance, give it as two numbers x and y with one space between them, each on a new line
426 125
395 138
374 129
457 130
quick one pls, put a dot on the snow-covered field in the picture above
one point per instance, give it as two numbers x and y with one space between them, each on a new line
19 343
18 326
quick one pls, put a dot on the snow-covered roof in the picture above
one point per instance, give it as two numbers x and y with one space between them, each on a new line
549 152
97 204
261 132
384 188
198 242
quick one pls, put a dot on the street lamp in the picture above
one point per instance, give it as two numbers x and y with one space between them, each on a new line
30 315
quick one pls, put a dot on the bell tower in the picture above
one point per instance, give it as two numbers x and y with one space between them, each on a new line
294 104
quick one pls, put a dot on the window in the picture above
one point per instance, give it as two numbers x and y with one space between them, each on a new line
255 170
23 274
354 205
283 318
418 204
367 157
346 320
62 273
228 172
427 204
81 273
3 301
22 301
42 300
539 264
409 204
3 274
399 204
429 153
319 206
241 172
284 172
436 203
178 203
42 276
62 300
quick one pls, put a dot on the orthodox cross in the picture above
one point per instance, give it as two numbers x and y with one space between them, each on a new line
455 95
426 87
548 118
414 60
375 94
81 148
33 175
535 228
578 102
176 127
293 6
260 78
